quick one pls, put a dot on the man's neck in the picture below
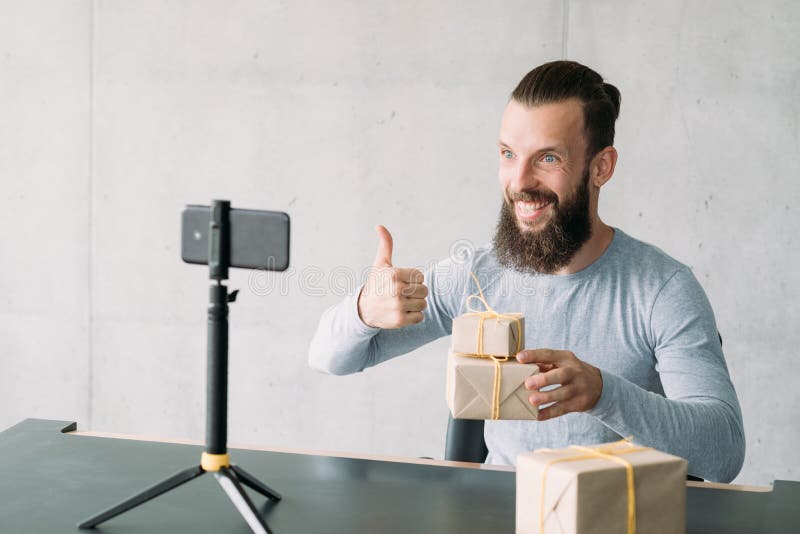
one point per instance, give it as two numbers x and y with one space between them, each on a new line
602 235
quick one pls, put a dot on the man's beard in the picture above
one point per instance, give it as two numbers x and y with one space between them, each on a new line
551 248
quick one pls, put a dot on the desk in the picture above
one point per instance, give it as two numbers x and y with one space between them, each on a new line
51 478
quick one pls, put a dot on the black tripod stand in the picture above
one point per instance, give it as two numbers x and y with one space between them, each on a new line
215 458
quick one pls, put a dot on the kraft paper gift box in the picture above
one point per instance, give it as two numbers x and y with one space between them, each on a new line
501 333
591 493
470 388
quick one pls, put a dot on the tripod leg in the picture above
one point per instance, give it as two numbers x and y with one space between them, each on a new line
150 493
227 479
252 482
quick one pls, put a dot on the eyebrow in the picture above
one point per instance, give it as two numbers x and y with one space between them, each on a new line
554 148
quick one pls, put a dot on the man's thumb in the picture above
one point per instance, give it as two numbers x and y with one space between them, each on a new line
384 256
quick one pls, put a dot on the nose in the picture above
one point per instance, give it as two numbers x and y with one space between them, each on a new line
521 177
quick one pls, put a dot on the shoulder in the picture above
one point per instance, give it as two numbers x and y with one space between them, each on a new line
648 275
647 261
666 291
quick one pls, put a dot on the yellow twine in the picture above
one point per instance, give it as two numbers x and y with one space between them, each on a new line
490 313
608 452
498 376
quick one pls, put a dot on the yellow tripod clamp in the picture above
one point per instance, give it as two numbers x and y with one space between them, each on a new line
213 462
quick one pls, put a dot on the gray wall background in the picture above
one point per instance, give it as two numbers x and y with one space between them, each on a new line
345 114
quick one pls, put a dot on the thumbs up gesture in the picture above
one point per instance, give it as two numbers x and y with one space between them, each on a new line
392 297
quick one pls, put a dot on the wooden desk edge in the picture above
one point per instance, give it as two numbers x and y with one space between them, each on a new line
382 458
312 452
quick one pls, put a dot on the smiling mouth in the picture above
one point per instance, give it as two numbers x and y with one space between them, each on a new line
530 211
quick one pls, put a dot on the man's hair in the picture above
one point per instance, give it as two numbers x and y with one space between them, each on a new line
561 80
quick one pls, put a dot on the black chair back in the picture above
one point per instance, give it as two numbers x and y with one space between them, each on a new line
465 441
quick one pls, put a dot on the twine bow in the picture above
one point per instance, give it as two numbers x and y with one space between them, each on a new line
490 313
611 452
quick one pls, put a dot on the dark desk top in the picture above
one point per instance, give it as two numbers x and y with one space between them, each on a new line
49 481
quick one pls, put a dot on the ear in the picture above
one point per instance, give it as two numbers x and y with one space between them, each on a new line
602 166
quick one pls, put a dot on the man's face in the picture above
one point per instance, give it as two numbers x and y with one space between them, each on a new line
545 215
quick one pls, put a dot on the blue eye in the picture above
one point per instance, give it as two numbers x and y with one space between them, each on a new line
549 158
507 153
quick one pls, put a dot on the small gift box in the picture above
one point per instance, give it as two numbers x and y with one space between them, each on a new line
489 333
615 487
488 388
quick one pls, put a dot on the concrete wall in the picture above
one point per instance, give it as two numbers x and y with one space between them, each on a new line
45 172
346 114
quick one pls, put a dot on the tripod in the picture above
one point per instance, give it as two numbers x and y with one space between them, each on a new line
215 459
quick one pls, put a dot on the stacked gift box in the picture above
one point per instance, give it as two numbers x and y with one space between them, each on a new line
484 379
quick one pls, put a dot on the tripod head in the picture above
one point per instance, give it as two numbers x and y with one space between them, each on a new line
219 242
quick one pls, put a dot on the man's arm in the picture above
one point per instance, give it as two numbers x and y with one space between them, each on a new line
344 343
699 419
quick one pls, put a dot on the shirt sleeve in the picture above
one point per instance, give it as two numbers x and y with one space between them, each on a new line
699 417
344 344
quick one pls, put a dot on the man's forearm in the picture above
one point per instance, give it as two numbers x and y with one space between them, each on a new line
341 344
344 344
705 430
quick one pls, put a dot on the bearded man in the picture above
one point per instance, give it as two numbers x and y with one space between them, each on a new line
626 339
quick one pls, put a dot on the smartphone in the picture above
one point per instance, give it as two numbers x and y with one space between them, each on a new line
259 239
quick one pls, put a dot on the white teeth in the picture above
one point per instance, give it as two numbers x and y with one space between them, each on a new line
530 206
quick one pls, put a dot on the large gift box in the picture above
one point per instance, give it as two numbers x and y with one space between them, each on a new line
473 391
489 333
615 488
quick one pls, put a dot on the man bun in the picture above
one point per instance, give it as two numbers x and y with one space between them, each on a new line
614 96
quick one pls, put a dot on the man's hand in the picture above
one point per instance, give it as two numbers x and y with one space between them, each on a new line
581 383
392 297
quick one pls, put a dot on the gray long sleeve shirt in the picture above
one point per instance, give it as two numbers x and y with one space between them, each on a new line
635 313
